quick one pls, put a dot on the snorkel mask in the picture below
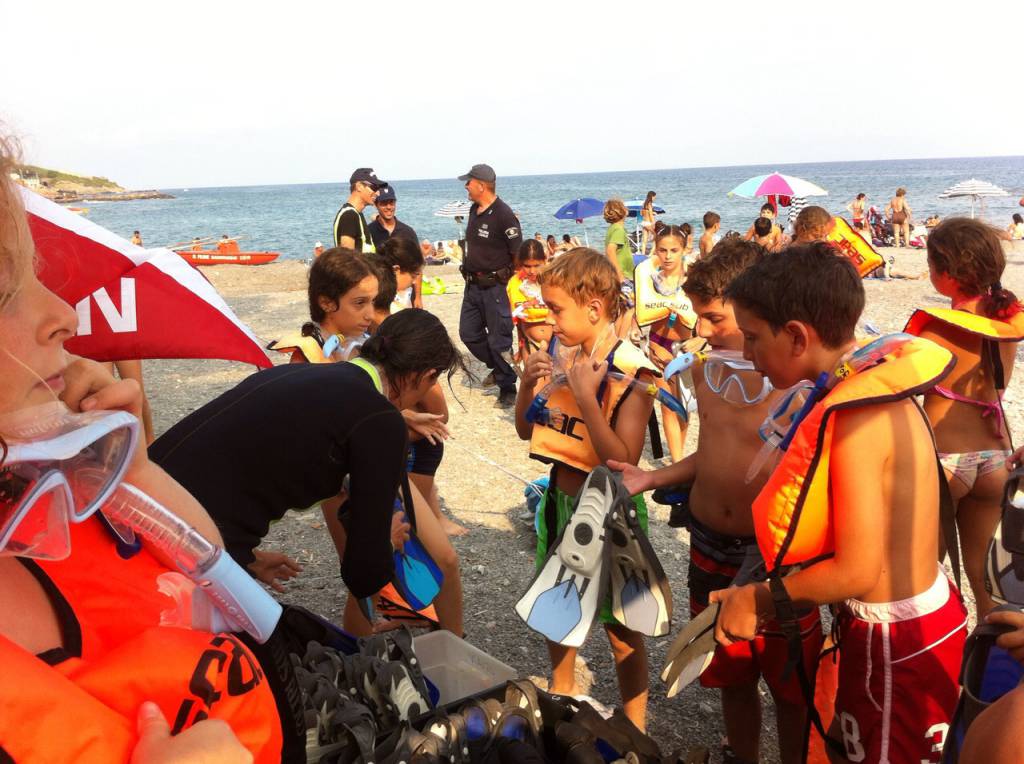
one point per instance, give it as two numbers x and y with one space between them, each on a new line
337 348
539 413
727 374
780 426
59 469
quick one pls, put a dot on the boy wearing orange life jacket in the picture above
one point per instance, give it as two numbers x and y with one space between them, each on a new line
854 500
529 314
600 419
721 527
982 328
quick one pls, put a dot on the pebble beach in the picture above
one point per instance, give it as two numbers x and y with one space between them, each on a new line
481 483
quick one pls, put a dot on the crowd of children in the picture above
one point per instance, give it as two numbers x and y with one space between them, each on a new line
851 516
818 479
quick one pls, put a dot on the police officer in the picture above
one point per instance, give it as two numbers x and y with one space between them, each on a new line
349 224
492 239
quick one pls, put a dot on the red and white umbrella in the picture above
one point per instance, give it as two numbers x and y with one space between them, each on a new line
132 302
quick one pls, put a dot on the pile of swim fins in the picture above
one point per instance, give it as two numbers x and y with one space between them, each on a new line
602 553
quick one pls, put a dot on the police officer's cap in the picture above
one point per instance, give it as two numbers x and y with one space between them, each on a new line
368 176
482 172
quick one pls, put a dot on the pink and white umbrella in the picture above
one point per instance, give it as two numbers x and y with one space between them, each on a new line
132 302
777 184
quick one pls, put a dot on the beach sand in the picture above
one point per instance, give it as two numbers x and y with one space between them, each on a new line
497 555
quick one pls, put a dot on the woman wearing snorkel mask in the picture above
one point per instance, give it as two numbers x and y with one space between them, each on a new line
89 672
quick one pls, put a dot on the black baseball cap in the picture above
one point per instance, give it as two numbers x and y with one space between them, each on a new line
368 176
387 194
482 172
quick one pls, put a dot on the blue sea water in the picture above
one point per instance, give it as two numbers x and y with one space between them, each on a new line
290 218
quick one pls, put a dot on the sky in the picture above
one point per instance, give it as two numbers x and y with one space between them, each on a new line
219 93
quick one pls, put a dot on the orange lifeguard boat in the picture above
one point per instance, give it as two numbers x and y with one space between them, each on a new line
227 253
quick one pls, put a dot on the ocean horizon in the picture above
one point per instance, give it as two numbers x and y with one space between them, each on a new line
290 218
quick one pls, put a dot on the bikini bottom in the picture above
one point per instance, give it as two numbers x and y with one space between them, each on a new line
971 465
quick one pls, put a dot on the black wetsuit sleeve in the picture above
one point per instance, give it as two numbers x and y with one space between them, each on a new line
376 462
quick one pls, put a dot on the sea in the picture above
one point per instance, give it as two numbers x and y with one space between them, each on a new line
290 219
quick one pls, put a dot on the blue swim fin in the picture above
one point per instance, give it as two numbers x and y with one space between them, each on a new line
417 577
556 612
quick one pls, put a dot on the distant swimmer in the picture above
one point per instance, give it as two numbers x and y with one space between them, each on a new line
318 249
136 239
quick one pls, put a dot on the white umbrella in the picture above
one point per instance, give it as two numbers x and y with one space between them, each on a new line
458 211
454 210
974 188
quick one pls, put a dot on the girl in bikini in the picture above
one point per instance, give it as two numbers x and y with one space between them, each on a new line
662 306
982 329
647 215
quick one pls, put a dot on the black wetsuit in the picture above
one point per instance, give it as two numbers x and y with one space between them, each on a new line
284 438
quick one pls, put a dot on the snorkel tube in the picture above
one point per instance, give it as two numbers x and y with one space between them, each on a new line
337 348
241 604
539 413
779 428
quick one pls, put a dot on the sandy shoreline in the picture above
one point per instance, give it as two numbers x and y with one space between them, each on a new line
497 555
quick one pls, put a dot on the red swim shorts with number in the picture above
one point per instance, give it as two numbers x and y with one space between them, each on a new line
715 560
898 675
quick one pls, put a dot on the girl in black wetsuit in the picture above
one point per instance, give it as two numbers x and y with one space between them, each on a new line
286 437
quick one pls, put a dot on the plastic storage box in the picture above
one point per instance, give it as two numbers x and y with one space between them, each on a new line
457 668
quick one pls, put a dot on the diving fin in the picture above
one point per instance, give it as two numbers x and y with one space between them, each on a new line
564 597
691 651
417 578
641 596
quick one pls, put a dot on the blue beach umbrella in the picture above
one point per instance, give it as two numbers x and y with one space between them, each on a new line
578 209
635 205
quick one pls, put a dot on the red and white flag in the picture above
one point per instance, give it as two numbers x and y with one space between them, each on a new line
132 302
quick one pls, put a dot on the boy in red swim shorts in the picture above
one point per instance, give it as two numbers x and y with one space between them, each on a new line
723 550
854 501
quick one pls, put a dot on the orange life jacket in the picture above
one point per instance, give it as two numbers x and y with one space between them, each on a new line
517 296
308 346
84 708
793 512
982 326
651 306
565 439
854 247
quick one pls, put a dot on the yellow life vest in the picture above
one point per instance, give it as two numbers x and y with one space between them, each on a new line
982 326
311 350
517 296
793 513
854 247
565 439
652 306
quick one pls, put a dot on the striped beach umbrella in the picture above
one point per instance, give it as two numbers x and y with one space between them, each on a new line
776 184
974 188
458 209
